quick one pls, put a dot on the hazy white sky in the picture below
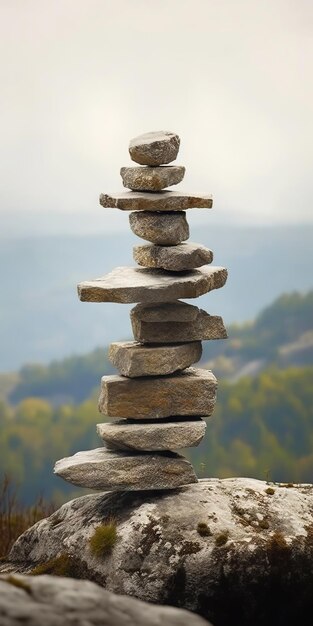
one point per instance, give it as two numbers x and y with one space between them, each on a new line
234 78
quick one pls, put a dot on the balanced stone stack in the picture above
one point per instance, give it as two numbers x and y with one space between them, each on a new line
158 400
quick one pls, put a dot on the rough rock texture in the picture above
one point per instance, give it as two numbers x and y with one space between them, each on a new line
56 601
136 284
186 256
151 178
162 201
154 148
166 312
204 327
250 561
104 469
133 359
191 392
165 229
157 435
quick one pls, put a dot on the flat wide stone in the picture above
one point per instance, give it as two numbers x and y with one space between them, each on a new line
165 229
153 436
132 284
202 328
161 201
154 148
103 469
185 256
166 312
133 359
191 392
151 178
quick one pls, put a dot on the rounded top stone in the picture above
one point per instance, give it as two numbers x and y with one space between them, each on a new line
155 148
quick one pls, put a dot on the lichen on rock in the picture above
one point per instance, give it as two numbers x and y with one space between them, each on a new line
244 572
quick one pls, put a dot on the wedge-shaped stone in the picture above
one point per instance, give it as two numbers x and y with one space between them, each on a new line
165 229
191 392
166 312
103 469
204 327
151 178
133 359
186 256
162 201
154 148
153 436
132 284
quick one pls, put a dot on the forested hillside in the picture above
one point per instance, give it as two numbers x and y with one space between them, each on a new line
261 427
281 335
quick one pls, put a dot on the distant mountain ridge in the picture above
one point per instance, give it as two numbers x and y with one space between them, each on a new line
41 318
281 335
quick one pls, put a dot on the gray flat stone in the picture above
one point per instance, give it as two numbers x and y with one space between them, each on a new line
132 284
166 312
191 392
203 328
154 148
185 256
161 201
152 436
133 359
104 469
160 228
58 601
151 178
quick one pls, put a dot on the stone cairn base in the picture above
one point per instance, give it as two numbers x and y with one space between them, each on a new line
159 400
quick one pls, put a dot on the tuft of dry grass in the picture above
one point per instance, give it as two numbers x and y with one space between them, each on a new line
103 539
16 518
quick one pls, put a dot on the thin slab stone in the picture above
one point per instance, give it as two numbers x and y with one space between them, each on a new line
191 392
152 436
165 229
203 328
132 284
185 256
154 148
151 178
133 359
104 469
166 312
161 201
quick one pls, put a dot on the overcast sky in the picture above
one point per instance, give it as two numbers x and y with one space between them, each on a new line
234 78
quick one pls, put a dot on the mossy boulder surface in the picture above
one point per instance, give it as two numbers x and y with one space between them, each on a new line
237 551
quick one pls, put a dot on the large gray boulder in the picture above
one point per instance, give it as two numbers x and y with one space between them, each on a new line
53 601
237 551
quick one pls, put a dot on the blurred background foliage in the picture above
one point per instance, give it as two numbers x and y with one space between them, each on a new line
262 425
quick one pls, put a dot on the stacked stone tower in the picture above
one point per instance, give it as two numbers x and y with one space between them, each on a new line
158 401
